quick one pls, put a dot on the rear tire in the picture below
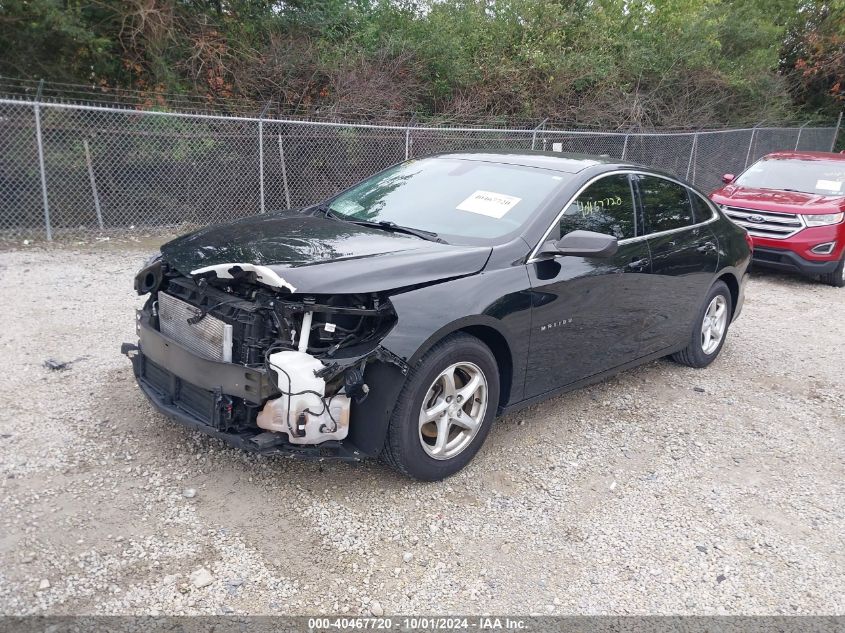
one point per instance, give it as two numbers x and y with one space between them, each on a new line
710 330
445 410
837 277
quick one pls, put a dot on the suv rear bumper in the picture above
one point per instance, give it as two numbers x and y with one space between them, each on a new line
783 259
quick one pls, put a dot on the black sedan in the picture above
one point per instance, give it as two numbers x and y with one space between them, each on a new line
398 318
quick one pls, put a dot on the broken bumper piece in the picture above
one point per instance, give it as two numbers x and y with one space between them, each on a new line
265 443
215 397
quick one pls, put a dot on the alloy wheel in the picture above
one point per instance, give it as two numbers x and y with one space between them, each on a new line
714 324
453 410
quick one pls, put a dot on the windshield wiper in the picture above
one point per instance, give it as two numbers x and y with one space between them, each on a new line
786 189
326 210
396 228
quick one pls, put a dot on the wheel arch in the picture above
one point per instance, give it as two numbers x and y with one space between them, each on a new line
497 343
730 280
490 332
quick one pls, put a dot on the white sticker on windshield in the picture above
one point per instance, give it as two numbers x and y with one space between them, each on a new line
829 185
495 205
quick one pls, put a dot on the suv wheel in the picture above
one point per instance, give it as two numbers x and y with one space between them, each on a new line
445 409
711 329
837 277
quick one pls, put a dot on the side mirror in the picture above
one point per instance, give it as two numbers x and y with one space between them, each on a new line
728 178
582 244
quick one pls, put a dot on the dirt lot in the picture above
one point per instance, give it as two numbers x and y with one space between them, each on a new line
664 490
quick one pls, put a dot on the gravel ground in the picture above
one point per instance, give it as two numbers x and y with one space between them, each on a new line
664 490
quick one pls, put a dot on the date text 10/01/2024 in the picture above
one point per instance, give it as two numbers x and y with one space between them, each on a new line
412 623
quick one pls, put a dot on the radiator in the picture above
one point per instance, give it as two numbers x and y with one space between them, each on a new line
210 338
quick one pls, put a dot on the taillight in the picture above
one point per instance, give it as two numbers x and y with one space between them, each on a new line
749 241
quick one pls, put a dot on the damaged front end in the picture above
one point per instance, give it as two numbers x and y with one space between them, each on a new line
244 356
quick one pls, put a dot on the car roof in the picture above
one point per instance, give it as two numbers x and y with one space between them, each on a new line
804 156
555 161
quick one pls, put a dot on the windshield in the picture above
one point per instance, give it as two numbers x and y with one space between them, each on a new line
451 197
821 177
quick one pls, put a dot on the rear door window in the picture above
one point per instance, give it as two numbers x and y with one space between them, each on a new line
701 211
606 206
666 204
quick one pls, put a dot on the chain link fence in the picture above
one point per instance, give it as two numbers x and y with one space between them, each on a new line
71 169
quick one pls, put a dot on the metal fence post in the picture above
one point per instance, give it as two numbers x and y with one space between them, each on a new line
261 163
93 183
284 173
625 147
409 142
751 144
43 172
534 133
836 132
692 153
798 140
261 153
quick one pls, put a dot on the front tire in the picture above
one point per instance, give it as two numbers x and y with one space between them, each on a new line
837 277
711 329
445 410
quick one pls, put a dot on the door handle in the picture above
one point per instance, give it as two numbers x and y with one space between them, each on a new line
706 247
638 264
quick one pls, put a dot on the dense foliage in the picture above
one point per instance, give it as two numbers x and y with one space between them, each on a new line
594 62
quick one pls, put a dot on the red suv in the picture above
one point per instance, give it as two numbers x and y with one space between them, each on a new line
792 204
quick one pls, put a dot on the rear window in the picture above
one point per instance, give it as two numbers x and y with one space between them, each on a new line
700 210
821 177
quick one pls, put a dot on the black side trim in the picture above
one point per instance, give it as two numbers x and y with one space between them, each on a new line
589 380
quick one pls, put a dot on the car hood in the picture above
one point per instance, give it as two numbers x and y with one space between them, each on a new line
778 200
319 255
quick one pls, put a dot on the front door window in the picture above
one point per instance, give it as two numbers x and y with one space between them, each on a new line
606 206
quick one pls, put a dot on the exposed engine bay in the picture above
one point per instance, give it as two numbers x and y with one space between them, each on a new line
312 349
281 333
